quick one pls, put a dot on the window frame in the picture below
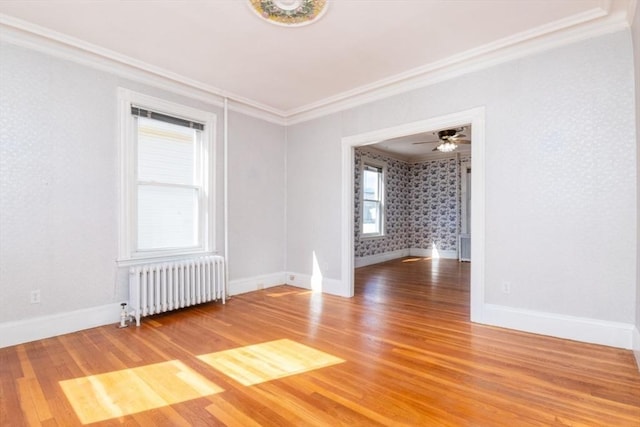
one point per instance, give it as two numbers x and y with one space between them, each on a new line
128 253
366 161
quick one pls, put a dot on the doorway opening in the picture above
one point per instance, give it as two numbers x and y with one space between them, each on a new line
474 118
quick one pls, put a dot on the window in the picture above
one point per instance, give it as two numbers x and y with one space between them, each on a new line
372 199
166 156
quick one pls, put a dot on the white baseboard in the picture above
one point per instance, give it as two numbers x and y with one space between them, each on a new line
401 253
636 345
448 254
594 331
22 331
321 284
378 258
255 283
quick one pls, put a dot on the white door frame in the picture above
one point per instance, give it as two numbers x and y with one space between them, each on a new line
474 116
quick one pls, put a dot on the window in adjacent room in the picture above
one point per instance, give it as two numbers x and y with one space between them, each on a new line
167 178
372 199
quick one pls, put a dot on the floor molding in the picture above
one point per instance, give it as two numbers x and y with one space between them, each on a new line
255 283
316 283
401 253
22 331
614 334
429 253
378 258
636 345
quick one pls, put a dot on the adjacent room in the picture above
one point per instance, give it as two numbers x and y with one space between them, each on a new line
319 212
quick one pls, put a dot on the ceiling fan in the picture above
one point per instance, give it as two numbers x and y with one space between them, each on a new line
448 140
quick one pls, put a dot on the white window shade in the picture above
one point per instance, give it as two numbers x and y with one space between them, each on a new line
167 205
372 200
167 217
166 152
169 186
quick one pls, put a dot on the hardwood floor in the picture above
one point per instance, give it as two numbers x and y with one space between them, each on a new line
401 352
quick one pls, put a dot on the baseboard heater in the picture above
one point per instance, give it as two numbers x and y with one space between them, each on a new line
161 287
464 247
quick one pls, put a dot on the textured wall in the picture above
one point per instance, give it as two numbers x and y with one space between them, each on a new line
256 197
560 215
59 186
435 204
396 204
422 204
636 57
58 229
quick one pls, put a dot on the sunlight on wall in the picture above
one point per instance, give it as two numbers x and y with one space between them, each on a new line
434 251
316 275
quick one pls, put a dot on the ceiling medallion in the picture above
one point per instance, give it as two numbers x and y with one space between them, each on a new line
289 13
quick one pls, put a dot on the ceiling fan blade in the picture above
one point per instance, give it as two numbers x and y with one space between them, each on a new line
462 141
435 149
458 135
423 142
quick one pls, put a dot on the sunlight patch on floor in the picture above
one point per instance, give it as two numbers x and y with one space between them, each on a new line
129 391
258 363
416 259
284 294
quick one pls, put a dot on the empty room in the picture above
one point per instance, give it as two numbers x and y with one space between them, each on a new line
319 212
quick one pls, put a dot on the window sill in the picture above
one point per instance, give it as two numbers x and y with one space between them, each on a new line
130 262
372 236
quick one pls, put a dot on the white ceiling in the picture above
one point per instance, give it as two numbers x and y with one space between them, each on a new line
420 146
222 47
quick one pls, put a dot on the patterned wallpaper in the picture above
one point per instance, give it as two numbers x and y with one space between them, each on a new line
422 204
397 227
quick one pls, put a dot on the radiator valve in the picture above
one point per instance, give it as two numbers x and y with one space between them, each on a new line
124 316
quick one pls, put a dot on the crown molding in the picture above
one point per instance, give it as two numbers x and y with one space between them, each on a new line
600 20
35 37
603 19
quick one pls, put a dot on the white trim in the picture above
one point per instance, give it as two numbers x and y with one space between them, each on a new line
126 193
22 331
328 286
378 258
255 283
465 165
636 346
401 253
589 24
225 191
428 253
346 212
35 37
475 117
582 329
368 161
600 20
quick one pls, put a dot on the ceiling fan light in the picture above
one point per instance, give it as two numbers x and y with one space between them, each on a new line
447 147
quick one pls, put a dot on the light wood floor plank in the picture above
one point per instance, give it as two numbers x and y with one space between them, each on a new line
411 358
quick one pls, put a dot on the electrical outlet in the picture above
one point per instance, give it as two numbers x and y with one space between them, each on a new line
292 277
506 287
34 296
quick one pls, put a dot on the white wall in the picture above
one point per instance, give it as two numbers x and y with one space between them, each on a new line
256 197
314 197
560 202
635 32
59 194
